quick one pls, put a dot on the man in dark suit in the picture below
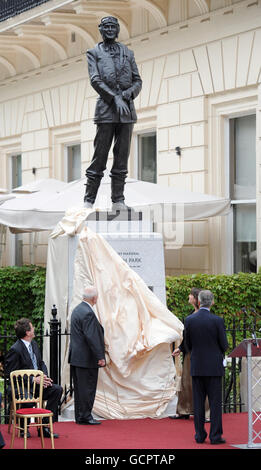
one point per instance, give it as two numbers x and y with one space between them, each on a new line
114 76
25 354
207 341
86 355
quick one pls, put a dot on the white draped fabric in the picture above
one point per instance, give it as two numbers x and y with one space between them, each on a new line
140 377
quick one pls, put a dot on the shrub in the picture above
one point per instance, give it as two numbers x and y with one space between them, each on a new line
231 294
21 295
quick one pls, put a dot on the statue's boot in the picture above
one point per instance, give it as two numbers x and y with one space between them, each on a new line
117 193
92 186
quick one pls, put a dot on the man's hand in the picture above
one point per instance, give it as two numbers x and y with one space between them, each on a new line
47 382
101 362
121 105
176 352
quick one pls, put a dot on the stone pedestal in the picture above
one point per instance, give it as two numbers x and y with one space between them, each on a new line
133 239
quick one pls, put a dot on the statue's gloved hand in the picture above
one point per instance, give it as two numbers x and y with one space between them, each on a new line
121 105
126 95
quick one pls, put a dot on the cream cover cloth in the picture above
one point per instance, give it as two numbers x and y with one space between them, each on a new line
139 379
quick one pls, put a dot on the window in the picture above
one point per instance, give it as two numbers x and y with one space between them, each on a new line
73 162
243 191
147 157
16 171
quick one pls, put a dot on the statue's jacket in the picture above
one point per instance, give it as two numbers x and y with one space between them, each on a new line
109 82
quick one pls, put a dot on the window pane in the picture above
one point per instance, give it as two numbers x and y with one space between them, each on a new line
74 162
16 171
147 158
245 255
244 158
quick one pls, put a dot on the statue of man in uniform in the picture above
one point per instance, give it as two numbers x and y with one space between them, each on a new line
114 75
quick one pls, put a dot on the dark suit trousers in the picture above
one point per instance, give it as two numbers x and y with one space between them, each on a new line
106 132
53 396
85 383
211 387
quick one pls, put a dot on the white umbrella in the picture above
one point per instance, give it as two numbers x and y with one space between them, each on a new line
5 197
47 184
43 210
29 196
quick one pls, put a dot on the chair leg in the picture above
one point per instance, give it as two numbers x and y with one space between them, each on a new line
13 433
51 430
41 432
25 432
10 417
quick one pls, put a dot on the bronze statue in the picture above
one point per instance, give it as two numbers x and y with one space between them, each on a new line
114 75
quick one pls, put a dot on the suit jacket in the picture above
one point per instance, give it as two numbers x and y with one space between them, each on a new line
109 82
183 347
18 357
87 338
207 341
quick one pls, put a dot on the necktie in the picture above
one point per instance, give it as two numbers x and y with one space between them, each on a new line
32 356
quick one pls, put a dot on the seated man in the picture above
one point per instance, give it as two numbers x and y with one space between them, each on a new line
25 354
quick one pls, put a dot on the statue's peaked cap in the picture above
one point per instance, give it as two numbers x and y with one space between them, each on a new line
109 19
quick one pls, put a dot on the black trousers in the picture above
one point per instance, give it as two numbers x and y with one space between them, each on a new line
210 387
121 133
53 396
85 383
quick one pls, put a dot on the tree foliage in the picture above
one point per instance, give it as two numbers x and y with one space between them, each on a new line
231 292
22 294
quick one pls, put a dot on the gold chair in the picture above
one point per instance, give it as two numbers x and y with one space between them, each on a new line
26 391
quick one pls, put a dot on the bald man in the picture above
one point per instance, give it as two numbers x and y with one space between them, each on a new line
86 356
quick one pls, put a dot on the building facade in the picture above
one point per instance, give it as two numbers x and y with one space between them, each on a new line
200 65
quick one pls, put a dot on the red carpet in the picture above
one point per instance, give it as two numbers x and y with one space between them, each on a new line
136 434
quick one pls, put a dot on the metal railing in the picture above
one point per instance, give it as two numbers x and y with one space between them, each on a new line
237 329
9 8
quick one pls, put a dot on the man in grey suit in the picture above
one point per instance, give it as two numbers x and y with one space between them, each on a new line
86 355
207 341
114 76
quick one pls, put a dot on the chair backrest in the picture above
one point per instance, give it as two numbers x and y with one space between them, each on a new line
24 389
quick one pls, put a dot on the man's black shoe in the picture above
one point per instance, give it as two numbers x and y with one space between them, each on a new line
220 441
201 441
46 433
22 434
90 421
